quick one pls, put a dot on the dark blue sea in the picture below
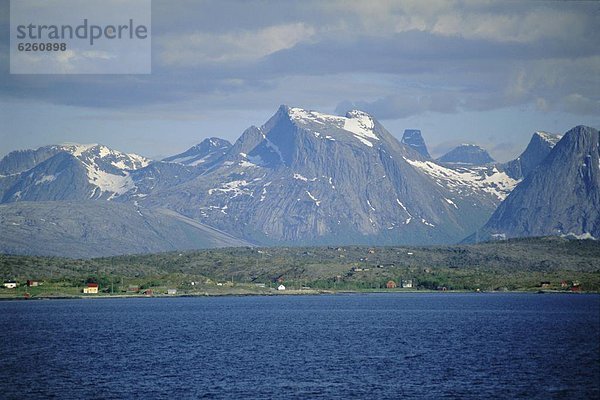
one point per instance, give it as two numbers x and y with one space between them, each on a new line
457 346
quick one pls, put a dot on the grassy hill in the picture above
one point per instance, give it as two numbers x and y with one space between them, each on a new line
507 265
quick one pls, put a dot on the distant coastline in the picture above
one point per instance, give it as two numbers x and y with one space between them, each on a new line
16 297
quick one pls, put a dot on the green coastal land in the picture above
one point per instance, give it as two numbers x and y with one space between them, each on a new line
535 264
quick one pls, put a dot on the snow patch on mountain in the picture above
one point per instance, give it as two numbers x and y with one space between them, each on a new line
247 164
91 153
106 182
370 206
458 180
548 137
313 198
45 179
361 125
403 207
76 149
583 236
450 202
107 169
358 123
300 177
425 222
236 188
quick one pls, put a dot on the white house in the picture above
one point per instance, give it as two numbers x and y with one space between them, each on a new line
92 288
10 284
280 287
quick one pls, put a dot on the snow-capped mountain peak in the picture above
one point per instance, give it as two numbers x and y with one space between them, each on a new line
358 123
95 152
72 171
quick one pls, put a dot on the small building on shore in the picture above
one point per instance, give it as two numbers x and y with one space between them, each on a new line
92 288
391 285
172 292
32 283
407 283
281 287
10 284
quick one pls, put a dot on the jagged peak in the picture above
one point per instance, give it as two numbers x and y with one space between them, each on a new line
547 137
414 139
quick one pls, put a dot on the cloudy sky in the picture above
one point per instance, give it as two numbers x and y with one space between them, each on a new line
484 72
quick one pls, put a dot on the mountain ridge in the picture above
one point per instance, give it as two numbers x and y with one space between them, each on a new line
303 164
301 178
559 197
538 148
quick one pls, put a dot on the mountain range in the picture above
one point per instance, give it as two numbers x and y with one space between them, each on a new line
302 178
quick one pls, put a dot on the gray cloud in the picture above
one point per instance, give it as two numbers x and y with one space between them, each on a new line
400 58
401 106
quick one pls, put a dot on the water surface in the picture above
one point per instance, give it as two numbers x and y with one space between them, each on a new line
347 346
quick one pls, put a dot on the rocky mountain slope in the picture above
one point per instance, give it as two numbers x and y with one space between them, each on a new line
69 172
203 154
539 147
100 228
559 197
306 178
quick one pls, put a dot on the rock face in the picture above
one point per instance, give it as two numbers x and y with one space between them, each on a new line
310 178
560 196
539 147
100 228
469 154
22 160
413 139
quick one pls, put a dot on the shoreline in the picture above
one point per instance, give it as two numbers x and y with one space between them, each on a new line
289 293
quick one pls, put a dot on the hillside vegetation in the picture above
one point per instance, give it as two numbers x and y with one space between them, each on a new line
520 264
